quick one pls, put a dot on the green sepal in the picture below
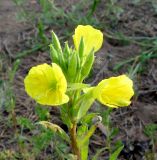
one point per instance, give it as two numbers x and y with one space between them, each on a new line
81 49
55 42
56 129
66 50
72 66
57 56
57 47
53 54
66 54
87 65
78 63
62 61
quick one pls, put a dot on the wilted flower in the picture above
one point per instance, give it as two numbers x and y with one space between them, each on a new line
114 91
46 84
92 38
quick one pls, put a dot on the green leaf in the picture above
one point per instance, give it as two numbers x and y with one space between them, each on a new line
98 152
25 122
121 64
106 116
150 130
77 86
56 129
84 151
41 33
82 130
42 112
116 153
88 118
71 157
14 70
41 140
84 139
65 115
84 105
114 132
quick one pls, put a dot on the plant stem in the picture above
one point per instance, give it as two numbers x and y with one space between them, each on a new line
74 144
13 114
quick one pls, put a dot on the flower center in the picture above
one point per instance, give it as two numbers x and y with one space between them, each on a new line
53 85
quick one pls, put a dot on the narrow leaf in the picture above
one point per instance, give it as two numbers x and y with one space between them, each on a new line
84 105
76 86
85 138
116 153
98 152
55 128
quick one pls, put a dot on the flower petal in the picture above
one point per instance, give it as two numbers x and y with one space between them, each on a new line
92 37
115 91
46 84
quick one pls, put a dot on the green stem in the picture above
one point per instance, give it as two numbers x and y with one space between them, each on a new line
13 114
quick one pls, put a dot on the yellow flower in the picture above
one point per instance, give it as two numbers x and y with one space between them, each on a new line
114 91
46 84
92 38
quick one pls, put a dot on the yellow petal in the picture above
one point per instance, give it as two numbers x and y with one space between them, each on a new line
46 84
115 91
92 37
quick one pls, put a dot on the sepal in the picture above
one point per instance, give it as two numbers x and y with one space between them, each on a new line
87 65
81 49
72 66
53 54
55 42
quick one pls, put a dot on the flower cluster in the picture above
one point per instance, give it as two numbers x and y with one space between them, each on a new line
47 84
